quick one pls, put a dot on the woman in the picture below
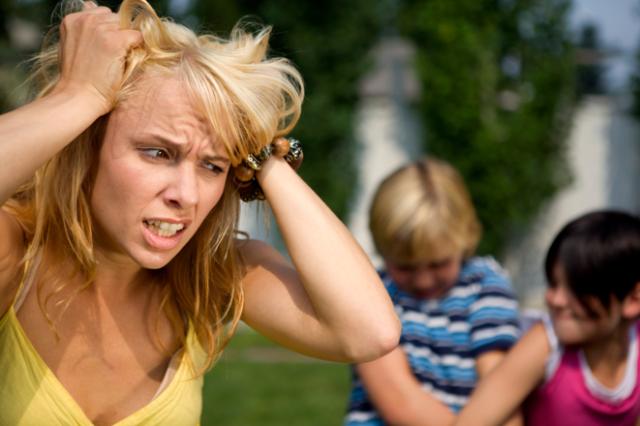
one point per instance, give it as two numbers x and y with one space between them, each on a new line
121 277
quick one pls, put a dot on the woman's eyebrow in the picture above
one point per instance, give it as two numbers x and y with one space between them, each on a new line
162 140
217 158
180 147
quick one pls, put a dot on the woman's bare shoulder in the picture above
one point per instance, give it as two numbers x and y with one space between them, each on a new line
12 248
255 252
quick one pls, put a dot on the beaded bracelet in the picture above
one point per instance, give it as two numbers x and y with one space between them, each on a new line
244 175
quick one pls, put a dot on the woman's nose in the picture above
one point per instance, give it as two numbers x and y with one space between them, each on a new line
182 190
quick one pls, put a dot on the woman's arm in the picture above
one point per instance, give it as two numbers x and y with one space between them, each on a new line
93 53
333 304
32 134
502 392
398 396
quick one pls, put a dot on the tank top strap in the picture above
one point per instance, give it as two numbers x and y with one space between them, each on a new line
557 350
28 277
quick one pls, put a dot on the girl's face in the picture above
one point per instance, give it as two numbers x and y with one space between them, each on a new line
160 172
571 321
426 280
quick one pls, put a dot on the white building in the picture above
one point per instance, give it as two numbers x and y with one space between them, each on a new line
387 132
604 157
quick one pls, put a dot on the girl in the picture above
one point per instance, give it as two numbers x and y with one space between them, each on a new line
580 367
121 275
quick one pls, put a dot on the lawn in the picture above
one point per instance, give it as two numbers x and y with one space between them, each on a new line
258 383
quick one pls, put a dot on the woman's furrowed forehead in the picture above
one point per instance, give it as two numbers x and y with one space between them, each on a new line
160 107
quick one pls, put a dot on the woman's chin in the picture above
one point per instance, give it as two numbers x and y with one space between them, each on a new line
154 260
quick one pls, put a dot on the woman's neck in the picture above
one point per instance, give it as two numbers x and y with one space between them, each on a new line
116 278
607 358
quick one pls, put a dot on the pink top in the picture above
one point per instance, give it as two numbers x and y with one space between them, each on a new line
571 395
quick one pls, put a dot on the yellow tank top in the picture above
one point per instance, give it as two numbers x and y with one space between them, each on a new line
31 395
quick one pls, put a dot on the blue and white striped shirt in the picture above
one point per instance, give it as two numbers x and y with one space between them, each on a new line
443 337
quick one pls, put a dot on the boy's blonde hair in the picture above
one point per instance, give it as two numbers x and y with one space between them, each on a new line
423 212
247 98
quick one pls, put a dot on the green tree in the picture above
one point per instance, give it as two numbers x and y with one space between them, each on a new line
330 48
497 81
635 86
590 70
41 14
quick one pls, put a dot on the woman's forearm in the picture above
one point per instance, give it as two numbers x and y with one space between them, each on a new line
32 134
397 394
343 287
92 52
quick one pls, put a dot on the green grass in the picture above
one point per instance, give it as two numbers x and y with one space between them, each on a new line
258 383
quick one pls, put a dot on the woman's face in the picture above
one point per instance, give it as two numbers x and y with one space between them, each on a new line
426 280
572 323
160 172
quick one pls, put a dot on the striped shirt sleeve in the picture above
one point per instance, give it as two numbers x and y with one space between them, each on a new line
493 316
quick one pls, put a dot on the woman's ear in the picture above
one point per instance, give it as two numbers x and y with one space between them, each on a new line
631 303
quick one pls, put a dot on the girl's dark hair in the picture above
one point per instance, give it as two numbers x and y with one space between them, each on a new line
600 255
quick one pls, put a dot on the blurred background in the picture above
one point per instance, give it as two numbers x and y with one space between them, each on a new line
536 102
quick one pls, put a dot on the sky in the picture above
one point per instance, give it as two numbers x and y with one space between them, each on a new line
619 25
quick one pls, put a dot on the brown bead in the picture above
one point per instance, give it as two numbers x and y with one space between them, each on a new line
280 147
295 164
243 173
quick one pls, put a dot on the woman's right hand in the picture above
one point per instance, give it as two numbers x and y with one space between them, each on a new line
93 50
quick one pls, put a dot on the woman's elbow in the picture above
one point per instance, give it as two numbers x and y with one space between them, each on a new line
368 346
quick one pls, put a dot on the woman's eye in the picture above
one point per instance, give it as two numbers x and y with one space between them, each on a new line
158 153
213 167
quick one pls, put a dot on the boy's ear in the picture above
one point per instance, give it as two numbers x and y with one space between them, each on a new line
631 303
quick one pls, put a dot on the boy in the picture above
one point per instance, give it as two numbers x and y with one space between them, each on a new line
458 312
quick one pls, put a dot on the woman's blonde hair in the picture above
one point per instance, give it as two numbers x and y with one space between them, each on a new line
247 98
423 212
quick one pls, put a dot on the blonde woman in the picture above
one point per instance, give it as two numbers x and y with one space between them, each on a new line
121 272
457 310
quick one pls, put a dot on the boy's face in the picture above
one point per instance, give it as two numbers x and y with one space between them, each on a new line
426 280
571 321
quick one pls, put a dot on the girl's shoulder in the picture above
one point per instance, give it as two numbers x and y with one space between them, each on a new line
538 325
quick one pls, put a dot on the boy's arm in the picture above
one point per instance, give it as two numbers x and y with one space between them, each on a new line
494 321
504 389
398 397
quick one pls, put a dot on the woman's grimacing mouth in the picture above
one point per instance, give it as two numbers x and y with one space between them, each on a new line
165 227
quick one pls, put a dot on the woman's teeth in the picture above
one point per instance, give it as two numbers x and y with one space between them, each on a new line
164 229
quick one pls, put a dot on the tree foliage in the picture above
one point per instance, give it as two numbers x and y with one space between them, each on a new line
589 67
496 77
635 86
497 94
329 46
